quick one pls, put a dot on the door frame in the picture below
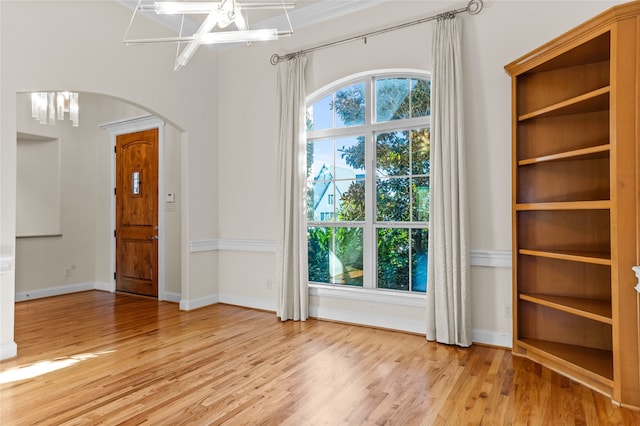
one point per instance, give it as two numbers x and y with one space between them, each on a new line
124 127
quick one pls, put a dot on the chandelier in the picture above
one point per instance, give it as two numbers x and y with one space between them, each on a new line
213 30
49 106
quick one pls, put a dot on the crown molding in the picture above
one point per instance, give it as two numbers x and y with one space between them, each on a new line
319 11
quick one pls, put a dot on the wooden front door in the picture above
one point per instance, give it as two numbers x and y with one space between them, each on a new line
137 213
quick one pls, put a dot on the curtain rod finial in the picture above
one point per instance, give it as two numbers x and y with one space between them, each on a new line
474 7
275 59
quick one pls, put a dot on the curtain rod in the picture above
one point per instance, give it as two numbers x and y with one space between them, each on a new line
473 7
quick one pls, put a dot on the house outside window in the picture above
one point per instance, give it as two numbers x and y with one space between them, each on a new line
368 146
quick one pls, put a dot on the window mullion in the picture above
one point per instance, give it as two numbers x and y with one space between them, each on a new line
369 251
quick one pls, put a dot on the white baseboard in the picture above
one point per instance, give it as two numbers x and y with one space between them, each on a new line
485 337
8 350
248 302
358 294
171 297
102 286
188 305
371 320
75 288
492 338
55 291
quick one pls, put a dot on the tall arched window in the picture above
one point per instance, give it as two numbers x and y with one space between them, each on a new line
368 182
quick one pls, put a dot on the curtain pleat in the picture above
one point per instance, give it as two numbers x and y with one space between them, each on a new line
291 247
448 291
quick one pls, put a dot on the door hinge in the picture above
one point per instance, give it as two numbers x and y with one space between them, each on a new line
114 275
114 191
114 233
115 148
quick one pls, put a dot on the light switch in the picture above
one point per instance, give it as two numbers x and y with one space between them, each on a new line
170 197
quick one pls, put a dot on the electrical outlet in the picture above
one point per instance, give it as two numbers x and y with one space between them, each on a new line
69 270
507 311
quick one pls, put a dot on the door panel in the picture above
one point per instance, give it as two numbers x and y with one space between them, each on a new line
137 213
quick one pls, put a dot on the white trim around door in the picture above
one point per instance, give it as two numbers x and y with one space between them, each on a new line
131 126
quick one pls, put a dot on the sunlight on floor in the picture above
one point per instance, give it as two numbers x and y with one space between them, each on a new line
30 371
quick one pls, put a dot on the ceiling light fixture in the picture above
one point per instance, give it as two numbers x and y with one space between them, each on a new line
220 15
238 36
52 105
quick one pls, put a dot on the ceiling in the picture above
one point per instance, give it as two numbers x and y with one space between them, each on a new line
304 13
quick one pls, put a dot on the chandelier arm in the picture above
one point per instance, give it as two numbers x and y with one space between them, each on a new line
133 16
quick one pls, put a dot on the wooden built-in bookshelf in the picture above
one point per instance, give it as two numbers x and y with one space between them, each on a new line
575 199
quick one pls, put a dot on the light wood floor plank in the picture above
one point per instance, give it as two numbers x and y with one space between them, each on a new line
99 358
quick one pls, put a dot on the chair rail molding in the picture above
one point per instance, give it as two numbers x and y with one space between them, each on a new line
489 258
6 264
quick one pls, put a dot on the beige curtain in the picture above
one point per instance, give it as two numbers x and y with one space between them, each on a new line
448 292
291 248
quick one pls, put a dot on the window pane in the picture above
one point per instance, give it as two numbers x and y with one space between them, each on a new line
420 151
349 167
335 255
420 98
320 114
392 154
319 241
393 258
420 206
320 160
349 157
323 195
350 204
419 244
392 99
392 199
349 106
347 264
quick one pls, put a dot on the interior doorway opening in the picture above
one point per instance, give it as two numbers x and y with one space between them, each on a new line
81 255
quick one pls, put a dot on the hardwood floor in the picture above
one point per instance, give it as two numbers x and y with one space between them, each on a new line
102 358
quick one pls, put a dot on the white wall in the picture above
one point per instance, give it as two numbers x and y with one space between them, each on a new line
38 186
58 45
502 32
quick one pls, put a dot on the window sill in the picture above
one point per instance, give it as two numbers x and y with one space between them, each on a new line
368 295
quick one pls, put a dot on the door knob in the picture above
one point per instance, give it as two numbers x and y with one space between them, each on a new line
155 237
